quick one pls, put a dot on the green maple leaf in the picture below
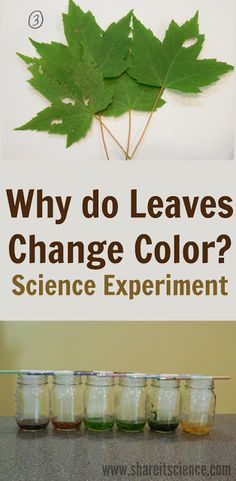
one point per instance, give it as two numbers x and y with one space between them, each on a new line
171 64
75 73
53 72
106 73
129 95
71 120
76 91
109 49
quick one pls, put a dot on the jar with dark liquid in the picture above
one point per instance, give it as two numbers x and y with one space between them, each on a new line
163 406
99 403
67 402
198 406
32 402
130 404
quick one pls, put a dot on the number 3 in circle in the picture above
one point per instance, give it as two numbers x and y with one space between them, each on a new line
36 19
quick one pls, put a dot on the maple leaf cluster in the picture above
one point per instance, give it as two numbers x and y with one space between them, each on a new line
114 71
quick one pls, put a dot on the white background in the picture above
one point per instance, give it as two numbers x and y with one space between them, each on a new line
188 127
185 153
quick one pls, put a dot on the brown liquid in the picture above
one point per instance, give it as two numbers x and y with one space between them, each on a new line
32 424
193 428
67 425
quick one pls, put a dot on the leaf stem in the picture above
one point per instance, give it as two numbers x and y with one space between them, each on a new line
103 137
129 134
148 122
111 134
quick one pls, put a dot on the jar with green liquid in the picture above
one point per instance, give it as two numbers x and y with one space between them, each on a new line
130 404
163 406
99 403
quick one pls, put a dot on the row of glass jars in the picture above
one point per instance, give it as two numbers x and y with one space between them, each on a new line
130 406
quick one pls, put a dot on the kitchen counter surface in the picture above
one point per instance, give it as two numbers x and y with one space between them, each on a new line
86 456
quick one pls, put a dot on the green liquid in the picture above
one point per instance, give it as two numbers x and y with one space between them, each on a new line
131 426
99 424
163 426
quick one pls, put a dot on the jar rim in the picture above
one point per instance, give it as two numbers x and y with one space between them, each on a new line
166 383
207 383
32 379
100 381
62 379
132 381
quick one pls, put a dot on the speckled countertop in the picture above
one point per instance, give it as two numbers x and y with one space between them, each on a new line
80 456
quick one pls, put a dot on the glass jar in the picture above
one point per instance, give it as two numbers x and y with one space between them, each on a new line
163 405
67 402
130 404
198 406
99 403
32 402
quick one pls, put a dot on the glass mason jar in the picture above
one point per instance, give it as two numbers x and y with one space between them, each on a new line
163 405
99 403
67 402
130 404
32 402
198 406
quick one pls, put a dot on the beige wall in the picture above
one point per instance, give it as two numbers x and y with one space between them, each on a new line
204 347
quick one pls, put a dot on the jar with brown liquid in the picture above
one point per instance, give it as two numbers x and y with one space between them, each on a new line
198 406
67 402
32 402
